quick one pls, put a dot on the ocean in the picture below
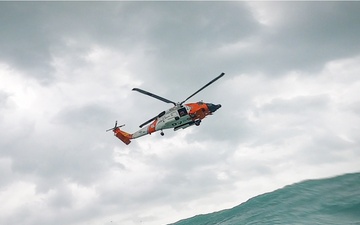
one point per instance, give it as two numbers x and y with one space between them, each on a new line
333 200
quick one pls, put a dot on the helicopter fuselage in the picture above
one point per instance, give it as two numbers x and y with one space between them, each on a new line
177 117
180 116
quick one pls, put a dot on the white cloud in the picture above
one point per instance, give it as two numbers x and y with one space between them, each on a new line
289 106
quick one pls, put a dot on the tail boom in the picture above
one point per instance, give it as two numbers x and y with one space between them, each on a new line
126 137
122 135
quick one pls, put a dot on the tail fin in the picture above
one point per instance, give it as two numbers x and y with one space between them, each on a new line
122 135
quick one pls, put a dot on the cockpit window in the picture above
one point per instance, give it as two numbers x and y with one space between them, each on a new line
182 112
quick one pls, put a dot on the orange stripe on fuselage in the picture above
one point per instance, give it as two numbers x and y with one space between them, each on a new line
152 127
198 110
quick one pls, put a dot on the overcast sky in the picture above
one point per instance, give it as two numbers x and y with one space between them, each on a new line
290 105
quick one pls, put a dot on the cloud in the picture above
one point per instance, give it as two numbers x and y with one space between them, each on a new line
298 36
289 105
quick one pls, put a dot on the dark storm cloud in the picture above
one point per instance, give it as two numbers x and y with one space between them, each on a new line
191 32
308 34
24 40
318 33
305 36
31 31
285 110
186 31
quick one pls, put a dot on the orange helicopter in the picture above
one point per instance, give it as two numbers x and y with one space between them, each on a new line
179 116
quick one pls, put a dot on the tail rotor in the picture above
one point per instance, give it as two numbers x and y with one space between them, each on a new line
122 135
116 126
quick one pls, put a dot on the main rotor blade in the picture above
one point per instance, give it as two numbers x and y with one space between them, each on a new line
150 120
153 95
215 79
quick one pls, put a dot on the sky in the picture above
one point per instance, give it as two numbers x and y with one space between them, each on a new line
290 105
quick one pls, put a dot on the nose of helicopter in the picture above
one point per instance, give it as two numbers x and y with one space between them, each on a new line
213 107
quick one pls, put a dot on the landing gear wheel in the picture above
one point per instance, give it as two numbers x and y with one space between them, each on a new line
197 122
162 133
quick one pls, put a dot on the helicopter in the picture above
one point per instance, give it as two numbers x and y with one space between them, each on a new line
180 116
